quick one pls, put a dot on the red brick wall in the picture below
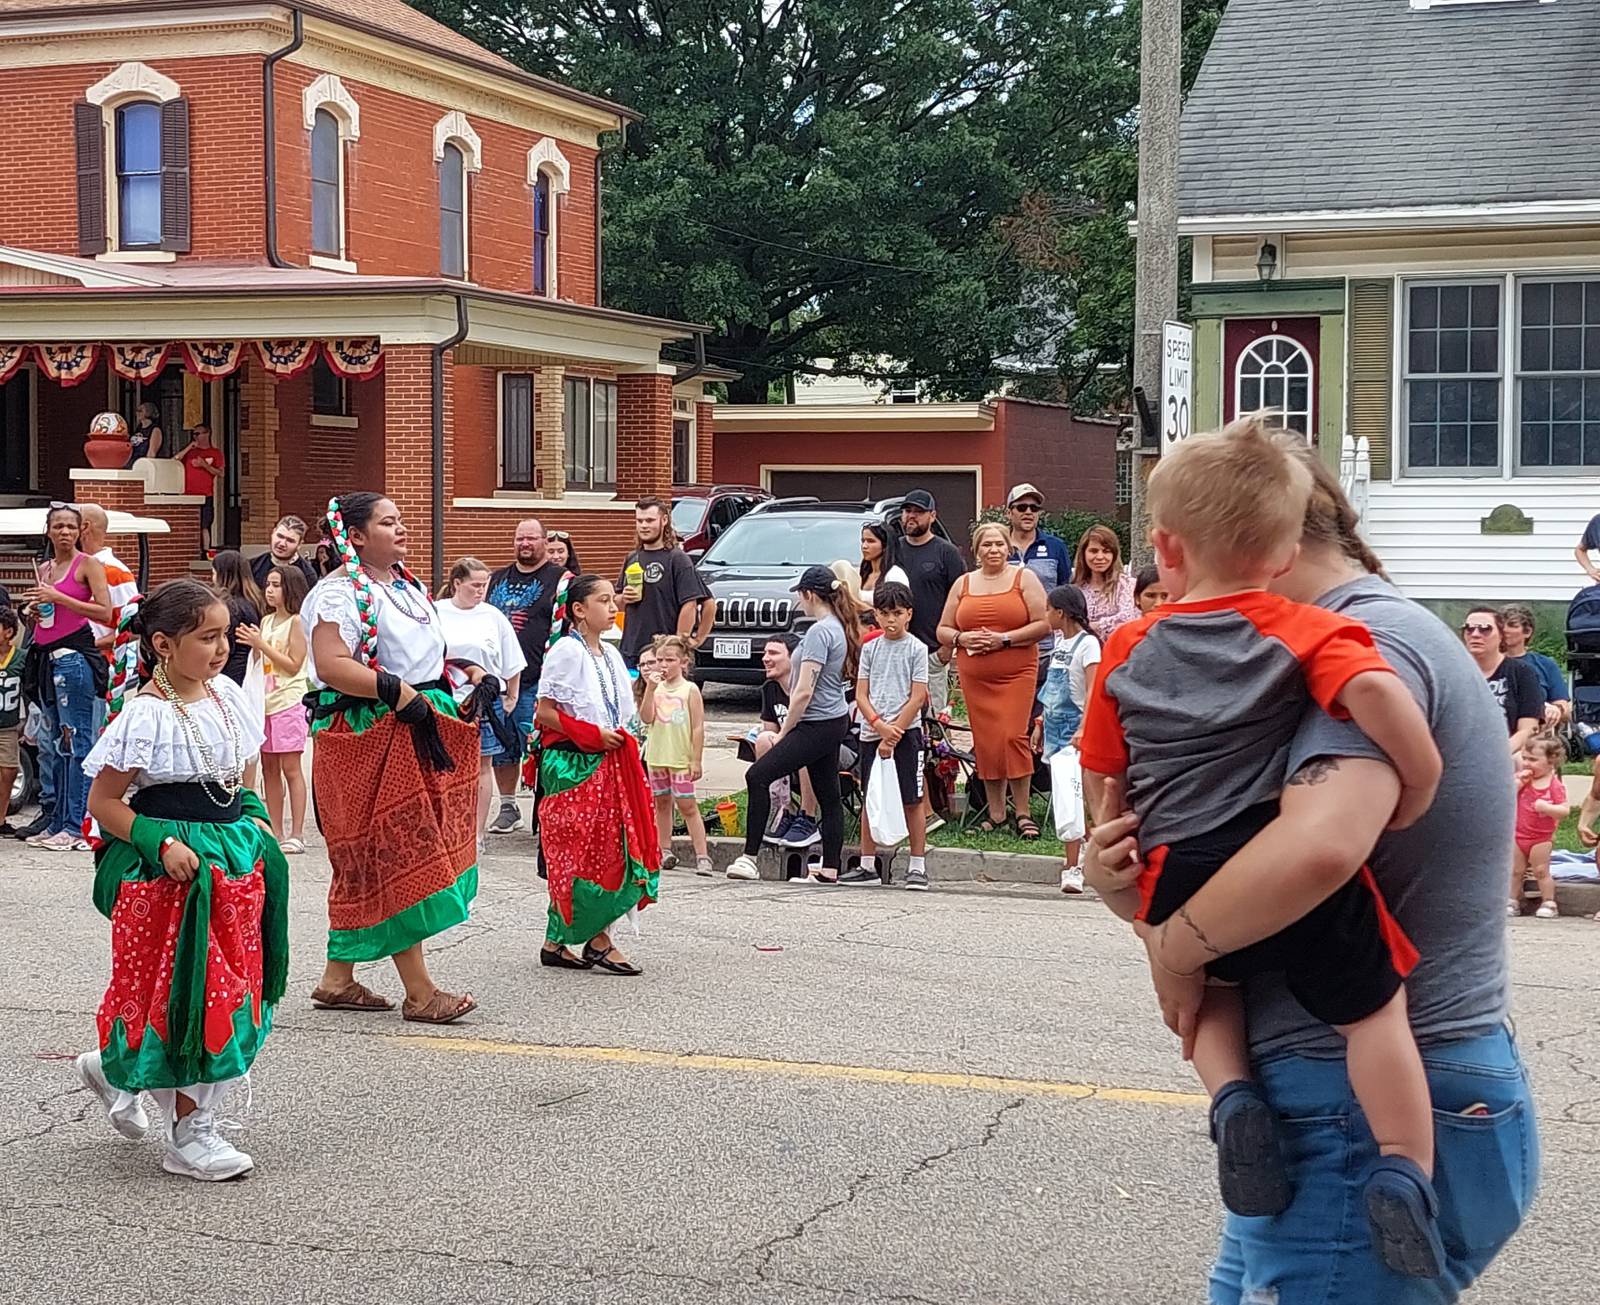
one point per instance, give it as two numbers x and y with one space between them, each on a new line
170 554
705 454
476 441
392 193
602 539
317 462
644 435
407 474
1073 462
37 153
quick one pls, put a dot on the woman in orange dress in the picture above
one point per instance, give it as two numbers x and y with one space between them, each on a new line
994 619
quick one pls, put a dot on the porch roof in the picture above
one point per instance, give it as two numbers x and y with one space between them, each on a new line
60 299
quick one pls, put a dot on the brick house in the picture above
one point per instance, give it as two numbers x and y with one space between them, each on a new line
364 250
967 454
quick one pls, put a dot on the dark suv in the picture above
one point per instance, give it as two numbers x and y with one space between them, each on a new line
700 513
755 562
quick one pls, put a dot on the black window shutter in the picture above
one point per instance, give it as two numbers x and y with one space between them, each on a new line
90 132
175 176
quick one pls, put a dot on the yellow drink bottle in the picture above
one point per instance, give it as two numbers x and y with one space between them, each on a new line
633 578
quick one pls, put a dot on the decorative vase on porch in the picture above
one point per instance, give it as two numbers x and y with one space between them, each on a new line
107 447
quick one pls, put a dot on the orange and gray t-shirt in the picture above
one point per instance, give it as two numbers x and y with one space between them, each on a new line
1199 702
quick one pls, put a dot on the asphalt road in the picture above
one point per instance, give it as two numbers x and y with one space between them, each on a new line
811 1097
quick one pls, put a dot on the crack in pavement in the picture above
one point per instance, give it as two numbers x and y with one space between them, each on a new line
861 1183
42 1105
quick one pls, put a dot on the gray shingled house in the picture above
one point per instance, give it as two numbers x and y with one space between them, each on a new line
1395 213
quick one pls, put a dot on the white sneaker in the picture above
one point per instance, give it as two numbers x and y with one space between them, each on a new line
1071 879
744 867
195 1149
125 1112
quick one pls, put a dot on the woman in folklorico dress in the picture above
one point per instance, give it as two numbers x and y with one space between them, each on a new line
394 773
191 879
597 827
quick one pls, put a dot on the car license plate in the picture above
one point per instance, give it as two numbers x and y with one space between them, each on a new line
730 650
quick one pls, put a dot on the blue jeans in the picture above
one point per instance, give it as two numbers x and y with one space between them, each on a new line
73 710
45 740
1318 1251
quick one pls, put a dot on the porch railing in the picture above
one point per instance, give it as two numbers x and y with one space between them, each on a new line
1355 472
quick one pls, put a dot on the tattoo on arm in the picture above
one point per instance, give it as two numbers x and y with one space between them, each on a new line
1313 772
1199 933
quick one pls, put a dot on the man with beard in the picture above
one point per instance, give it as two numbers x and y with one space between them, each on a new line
525 591
284 550
666 591
934 566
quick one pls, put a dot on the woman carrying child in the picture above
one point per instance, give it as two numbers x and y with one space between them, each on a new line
1067 685
281 641
190 877
675 716
1542 804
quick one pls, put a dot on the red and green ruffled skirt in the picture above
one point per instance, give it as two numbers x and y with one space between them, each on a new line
196 968
402 838
598 833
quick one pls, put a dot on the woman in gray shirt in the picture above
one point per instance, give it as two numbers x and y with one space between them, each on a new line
816 725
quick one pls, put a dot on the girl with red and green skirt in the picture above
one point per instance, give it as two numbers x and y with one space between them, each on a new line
394 771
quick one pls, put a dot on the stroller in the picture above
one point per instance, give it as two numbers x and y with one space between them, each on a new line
1583 667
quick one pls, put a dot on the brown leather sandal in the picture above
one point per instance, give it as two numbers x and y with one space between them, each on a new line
356 997
441 1008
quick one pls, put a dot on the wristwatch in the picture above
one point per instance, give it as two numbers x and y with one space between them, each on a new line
1005 640
166 842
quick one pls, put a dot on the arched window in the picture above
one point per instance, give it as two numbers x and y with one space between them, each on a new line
1275 372
138 128
544 254
327 186
453 212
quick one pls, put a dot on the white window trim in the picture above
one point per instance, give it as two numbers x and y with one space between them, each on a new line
1515 375
454 127
327 264
333 262
1457 4
688 410
328 92
588 487
1510 356
133 81
1311 377
108 124
558 187
336 423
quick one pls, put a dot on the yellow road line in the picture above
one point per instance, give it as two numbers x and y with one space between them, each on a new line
1031 1087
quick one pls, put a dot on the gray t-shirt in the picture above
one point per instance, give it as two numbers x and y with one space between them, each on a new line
890 667
824 644
1444 878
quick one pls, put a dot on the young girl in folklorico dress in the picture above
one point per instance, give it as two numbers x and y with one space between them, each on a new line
190 877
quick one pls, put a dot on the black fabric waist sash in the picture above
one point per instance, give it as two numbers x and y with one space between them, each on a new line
189 801
323 703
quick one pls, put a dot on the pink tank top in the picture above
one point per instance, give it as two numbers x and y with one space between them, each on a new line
66 623
1534 826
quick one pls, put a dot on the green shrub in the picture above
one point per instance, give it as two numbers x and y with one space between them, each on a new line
1069 525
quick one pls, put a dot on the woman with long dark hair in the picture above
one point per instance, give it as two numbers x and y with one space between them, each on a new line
563 553
597 828
815 726
65 671
879 562
394 772
230 576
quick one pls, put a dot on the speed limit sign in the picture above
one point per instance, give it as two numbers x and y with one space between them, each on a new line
1177 383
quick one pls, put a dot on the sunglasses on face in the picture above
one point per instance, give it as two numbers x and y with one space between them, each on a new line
1474 628
1025 507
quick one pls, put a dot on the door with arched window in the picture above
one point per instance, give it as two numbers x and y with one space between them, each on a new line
1272 363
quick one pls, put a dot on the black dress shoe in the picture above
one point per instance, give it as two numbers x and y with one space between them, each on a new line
561 959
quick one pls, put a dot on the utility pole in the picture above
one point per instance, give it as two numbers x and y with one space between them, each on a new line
1156 287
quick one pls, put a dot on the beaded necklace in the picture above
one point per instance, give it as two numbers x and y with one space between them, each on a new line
610 691
227 782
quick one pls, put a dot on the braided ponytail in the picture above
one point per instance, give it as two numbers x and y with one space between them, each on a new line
127 663
366 612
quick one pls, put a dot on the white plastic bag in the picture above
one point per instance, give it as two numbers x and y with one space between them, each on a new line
1066 794
886 817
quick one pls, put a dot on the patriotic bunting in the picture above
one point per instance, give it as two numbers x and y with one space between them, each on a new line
139 362
356 359
286 358
12 357
214 359
67 364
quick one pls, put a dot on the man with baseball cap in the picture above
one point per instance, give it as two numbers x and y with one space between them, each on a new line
934 565
1043 554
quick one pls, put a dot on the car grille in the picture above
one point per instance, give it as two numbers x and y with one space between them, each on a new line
754 613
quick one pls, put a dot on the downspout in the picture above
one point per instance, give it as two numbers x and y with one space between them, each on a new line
269 106
699 359
439 350
599 227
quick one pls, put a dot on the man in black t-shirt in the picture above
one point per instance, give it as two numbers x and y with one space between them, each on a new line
284 550
933 566
667 595
525 591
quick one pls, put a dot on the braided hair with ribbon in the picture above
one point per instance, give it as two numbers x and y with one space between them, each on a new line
366 606
127 666
558 628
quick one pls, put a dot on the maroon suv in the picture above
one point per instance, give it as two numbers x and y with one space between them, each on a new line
702 512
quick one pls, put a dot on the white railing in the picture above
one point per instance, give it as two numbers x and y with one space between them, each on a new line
1355 472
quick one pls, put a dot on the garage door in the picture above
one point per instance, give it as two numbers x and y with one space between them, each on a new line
956 491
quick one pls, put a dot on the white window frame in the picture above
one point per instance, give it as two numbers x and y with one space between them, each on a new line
1276 337
689 410
1402 420
129 83
454 129
329 94
546 159
589 485
1517 376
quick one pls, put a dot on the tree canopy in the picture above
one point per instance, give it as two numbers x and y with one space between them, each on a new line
941 183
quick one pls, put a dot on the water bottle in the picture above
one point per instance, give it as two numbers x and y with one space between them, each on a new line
46 612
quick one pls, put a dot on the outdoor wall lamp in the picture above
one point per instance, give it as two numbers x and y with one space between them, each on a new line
1267 261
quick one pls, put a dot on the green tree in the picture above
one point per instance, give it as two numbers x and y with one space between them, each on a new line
943 183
